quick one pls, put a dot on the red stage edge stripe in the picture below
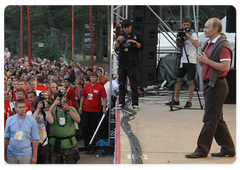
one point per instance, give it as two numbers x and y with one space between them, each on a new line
118 144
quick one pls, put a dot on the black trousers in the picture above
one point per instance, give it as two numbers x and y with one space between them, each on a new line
89 124
44 157
132 73
214 125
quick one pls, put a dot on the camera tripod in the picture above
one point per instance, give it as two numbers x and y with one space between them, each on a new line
181 46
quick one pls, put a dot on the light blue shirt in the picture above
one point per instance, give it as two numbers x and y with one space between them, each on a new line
23 147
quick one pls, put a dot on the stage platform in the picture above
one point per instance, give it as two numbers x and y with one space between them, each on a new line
166 136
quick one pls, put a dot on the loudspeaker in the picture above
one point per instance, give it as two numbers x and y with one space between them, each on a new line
231 79
145 23
231 19
146 76
148 32
148 56
141 14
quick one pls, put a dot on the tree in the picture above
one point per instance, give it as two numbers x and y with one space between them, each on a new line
12 28
44 19
51 48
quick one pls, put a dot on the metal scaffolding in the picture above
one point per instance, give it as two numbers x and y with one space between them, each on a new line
116 15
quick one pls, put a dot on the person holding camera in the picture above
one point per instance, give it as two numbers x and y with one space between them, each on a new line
42 116
188 63
129 44
63 144
61 89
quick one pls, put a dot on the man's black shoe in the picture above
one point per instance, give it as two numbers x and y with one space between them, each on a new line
174 102
194 155
222 154
188 104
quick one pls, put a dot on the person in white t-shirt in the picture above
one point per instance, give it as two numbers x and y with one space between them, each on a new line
7 54
191 45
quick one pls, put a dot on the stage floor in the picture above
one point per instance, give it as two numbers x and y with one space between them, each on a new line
166 136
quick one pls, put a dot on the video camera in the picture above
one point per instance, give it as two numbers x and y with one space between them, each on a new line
62 99
181 37
126 44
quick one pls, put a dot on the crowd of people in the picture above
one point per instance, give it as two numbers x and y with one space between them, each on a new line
64 99
54 94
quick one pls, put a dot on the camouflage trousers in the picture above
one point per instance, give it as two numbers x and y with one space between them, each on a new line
63 156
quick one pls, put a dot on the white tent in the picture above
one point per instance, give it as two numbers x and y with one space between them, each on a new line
165 45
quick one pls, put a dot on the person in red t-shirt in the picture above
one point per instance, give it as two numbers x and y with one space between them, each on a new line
90 107
40 87
7 108
31 95
20 94
70 92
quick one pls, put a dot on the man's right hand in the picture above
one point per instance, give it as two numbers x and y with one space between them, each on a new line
39 106
120 38
80 110
57 101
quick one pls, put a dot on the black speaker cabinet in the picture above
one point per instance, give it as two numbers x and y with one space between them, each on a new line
147 76
149 32
231 19
148 55
141 14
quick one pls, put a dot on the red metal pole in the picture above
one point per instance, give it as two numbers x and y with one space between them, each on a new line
73 33
21 30
91 36
123 11
29 39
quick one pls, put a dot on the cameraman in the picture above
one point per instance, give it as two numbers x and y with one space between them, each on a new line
61 89
191 45
42 117
129 44
63 144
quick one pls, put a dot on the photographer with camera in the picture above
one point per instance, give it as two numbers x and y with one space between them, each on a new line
63 144
188 61
61 89
42 116
129 44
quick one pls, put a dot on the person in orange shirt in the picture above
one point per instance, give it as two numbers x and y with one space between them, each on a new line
100 76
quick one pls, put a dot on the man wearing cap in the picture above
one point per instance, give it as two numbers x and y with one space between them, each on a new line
129 44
